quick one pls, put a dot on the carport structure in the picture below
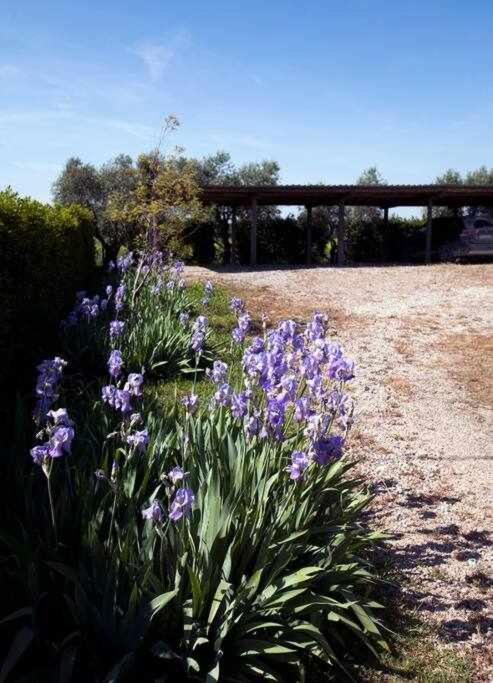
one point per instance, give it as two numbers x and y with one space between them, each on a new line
381 196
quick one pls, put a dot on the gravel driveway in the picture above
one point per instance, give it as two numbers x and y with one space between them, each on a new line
422 340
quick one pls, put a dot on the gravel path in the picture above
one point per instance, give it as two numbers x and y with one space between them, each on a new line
422 339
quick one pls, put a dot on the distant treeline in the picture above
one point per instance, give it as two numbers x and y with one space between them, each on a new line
281 237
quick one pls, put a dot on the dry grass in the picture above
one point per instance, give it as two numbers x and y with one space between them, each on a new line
471 364
399 385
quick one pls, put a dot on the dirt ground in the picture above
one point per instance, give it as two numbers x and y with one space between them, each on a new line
422 340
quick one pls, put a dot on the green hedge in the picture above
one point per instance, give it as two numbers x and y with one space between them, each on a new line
46 254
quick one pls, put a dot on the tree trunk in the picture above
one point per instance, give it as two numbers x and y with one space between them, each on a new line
110 253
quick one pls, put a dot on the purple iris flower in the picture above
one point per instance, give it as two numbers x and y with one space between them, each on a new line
290 385
119 399
182 503
239 333
275 414
239 404
327 449
108 394
134 384
115 363
60 417
116 328
60 441
178 268
309 366
333 350
199 328
49 376
339 403
299 463
184 317
341 369
120 297
287 329
218 372
190 401
139 439
123 400
236 305
39 453
109 291
301 408
125 262
176 474
208 291
315 329
154 512
314 385
200 324
253 425
244 321
223 394
317 426
257 345
198 339
157 287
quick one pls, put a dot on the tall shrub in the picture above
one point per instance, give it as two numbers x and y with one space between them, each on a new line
46 254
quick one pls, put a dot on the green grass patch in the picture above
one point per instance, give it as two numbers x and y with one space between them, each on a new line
221 322
415 653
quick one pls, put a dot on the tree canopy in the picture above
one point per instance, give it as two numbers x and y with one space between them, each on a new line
96 189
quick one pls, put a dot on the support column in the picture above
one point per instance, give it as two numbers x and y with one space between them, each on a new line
253 232
234 250
428 232
341 236
385 250
308 236
226 241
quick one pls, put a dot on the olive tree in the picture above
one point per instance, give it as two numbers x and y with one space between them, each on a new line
97 189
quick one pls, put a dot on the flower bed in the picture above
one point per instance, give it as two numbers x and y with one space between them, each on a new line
218 539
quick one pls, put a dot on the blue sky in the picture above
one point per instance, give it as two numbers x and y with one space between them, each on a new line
325 87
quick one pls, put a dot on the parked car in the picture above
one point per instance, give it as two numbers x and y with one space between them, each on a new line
475 239
477 235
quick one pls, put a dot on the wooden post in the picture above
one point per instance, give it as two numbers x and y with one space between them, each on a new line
233 253
385 250
226 241
253 232
308 244
428 232
341 237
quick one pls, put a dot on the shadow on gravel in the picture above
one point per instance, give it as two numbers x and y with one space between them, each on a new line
440 543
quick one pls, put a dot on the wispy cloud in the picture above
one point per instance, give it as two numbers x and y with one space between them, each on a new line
33 117
9 71
74 121
136 130
157 56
